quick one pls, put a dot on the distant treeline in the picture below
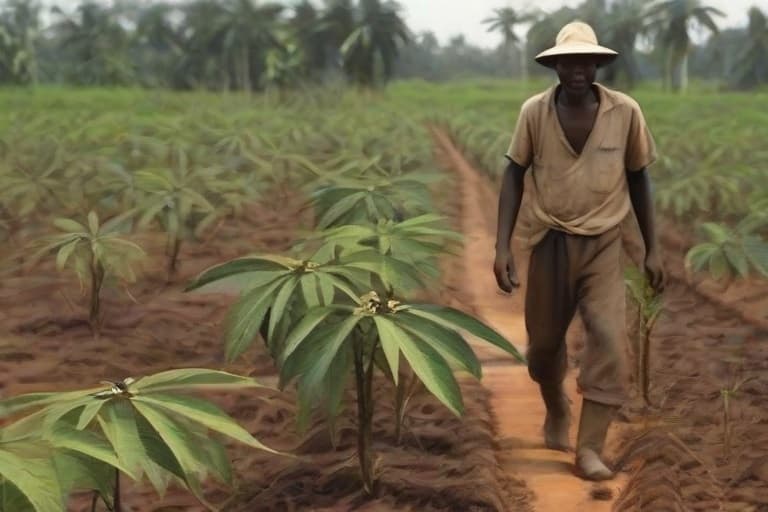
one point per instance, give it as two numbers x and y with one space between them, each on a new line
251 45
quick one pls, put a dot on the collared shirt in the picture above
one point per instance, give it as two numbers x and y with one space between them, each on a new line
587 193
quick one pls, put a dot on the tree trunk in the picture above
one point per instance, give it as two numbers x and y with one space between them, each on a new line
245 69
524 60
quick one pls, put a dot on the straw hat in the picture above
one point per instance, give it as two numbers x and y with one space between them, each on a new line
576 38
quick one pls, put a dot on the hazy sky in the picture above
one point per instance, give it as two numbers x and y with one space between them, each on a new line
447 18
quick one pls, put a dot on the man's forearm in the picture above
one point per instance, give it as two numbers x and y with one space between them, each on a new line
642 202
509 203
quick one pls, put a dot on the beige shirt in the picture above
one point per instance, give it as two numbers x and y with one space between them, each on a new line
587 193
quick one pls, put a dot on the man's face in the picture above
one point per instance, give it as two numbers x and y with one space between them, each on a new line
576 72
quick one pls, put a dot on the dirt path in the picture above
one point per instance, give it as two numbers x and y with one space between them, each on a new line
515 397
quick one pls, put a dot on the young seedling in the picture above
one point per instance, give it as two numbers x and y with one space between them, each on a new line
731 253
96 253
149 426
649 307
332 341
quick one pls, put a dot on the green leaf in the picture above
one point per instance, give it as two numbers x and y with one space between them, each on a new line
330 348
340 209
309 291
87 443
181 443
236 267
401 276
311 319
64 253
204 413
434 372
78 471
93 222
389 336
325 284
159 465
737 259
34 476
699 256
716 233
69 225
718 265
89 413
278 306
447 342
118 422
454 319
245 318
187 379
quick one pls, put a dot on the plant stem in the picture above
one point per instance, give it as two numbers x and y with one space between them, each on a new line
97 279
117 506
364 385
173 257
726 422
646 383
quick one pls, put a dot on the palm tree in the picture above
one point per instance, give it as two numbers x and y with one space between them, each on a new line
672 21
627 20
19 36
337 22
159 44
752 66
312 41
96 42
504 21
372 47
248 31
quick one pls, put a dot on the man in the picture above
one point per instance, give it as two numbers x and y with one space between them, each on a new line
588 148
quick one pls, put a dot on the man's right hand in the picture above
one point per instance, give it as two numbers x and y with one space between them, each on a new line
504 269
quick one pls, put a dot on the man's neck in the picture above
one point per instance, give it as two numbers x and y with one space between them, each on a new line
570 100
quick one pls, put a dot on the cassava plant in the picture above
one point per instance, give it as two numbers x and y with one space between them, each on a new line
649 307
730 253
331 341
96 253
148 427
178 196
417 242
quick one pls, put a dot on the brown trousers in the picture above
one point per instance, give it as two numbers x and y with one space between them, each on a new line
569 271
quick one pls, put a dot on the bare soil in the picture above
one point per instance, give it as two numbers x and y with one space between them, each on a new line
682 453
444 463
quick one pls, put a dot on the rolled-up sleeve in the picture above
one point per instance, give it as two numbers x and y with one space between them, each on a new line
520 148
641 148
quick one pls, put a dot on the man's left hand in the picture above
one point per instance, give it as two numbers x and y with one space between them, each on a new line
654 269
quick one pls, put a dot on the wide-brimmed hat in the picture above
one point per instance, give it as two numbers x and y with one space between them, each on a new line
576 38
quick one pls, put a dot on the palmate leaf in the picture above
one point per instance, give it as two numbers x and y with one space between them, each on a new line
456 320
78 471
737 259
117 419
400 275
187 379
28 478
182 444
238 266
246 316
204 413
447 342
428 365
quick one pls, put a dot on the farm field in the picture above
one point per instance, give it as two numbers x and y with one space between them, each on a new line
356 184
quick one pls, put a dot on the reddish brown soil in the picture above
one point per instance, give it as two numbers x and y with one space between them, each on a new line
444 463
705 341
